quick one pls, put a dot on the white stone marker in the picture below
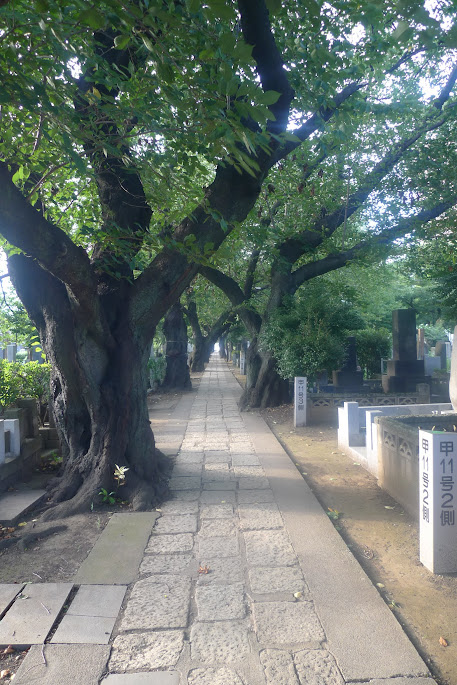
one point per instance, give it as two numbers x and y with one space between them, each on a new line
11 352
438 501
242 363
300 388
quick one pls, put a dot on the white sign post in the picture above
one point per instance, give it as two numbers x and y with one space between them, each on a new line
300 388
438 501
242 362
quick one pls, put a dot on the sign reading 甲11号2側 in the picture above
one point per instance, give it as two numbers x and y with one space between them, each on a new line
438 500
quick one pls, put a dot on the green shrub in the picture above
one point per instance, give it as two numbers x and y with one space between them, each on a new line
23 380
372 345
157 367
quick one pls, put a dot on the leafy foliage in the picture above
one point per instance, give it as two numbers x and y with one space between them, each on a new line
372 346
23 380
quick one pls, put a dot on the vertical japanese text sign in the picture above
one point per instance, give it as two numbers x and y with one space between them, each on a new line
438 501
300 387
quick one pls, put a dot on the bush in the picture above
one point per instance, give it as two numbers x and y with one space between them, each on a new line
157 367
372 345
23 380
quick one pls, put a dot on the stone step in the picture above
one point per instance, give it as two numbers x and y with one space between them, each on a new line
33 613
91 616
8 592
117 554
63 664
14 505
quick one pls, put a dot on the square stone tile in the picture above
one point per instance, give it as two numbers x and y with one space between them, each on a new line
221 571
190 457
217 457
216 511
214 676
279 667
146 650
245 460
174 523
166 563
217 497
187 469
97 600
220 602
287 622
265 580
177 506
218 527
255 496
220 485
219 642
226 546
317 666
254 483
260 516
166 544
157 602
248 471
184 483
269 548
218 472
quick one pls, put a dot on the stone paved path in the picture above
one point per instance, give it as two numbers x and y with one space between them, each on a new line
236 590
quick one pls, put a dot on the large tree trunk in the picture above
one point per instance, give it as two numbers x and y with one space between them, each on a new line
98 397
264 386
202 350
177 375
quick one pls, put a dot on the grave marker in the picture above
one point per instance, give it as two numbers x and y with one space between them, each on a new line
438 501
300 388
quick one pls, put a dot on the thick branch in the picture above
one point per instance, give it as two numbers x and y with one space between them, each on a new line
27 229
386 237
256 27
252 265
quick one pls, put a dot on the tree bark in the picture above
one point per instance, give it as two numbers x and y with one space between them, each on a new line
98 397
264 386
177 375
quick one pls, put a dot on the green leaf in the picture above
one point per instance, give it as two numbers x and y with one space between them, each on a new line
269 97
42 6
121 42
92 18
273 6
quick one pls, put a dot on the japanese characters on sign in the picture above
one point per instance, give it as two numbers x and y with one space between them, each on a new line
300 388
437 501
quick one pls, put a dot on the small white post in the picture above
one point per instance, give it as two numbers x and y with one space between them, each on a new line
12 425
2 441
300 389
242 362
437 501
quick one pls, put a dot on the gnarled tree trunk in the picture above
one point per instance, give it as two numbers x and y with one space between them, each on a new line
264 386
177 374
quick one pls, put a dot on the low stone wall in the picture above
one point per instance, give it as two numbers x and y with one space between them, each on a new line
398 455
20 442
323 407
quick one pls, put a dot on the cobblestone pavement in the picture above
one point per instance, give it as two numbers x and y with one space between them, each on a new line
221 597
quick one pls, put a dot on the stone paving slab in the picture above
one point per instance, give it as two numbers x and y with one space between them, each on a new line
32 615
93 630
179 507
269 548
216 511
167 563
399 681
220 602
146 650
8 592
212 528
158 678
287 622
157 602
172 523
260 516
255 496
220 642
122 542
214 676
79 664
167 544
266 580
226 570
97 600
13 505
226 546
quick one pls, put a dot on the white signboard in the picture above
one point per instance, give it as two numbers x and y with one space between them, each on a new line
300 387
438 500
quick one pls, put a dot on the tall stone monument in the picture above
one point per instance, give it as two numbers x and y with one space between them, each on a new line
348 377
404 370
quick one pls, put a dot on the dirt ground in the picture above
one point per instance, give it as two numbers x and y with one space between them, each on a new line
380 534
382 537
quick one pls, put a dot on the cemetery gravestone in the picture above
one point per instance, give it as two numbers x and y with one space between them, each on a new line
348 377
300 389
404 370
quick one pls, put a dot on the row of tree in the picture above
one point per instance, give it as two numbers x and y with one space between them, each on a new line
142 143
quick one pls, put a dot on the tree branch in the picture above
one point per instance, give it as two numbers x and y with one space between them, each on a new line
252 265
340 259
256 27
